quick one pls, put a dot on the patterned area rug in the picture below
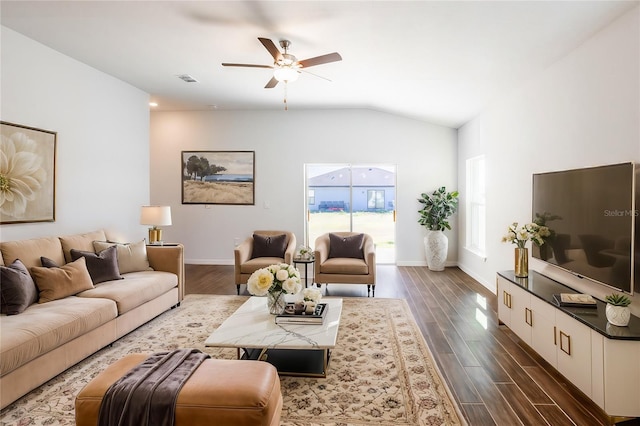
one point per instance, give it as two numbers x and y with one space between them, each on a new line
381 372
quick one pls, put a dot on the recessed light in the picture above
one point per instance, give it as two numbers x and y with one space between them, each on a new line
187 78
153 104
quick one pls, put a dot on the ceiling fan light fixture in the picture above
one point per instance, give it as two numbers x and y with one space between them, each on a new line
287 74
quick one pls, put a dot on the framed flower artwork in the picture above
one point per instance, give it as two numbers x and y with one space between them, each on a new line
27 174
218 177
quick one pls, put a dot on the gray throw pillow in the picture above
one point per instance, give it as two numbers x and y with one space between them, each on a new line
346 246
48 263
18 290
102 266
269 245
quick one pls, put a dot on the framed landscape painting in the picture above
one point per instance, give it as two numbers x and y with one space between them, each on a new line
218 177
27 174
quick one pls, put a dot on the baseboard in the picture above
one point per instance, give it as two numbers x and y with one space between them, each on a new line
209 262
447 264
491 286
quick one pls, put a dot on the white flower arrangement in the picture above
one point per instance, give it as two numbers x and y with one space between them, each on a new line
304 251
527 232
278 278
312 294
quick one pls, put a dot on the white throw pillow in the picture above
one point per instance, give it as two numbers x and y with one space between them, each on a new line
132 257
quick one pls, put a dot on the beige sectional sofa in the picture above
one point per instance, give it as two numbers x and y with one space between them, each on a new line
47 338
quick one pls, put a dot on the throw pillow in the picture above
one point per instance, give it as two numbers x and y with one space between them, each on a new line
67 280
80 242
346 246
102 266
269 245
48 263
18 290
132 257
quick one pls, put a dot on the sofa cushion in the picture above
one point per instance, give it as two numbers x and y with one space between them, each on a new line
79 242
269 245
57 283
102 266
132 257
29 251
342 246
344 265
17 289
135 289
44 327
252 265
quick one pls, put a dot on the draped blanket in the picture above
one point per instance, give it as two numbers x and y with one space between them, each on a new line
147 394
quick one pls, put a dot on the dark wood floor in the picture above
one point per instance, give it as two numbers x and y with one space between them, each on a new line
495 378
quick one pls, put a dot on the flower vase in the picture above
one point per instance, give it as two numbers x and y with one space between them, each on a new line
276 302
522 262
436 246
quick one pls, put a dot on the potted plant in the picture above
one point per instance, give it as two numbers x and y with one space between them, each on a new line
618 312
434 215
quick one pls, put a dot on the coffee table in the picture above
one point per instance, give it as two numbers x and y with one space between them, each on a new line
294 349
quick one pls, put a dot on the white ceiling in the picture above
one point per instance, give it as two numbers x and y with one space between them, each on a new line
439 61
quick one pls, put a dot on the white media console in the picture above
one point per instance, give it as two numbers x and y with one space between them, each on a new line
600 359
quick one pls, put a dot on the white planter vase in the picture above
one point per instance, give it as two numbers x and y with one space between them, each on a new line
618 315
436 245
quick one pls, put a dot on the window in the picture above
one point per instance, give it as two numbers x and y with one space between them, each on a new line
311 196
375 199
476 223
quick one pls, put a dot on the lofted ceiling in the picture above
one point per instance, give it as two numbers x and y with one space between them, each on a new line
438 61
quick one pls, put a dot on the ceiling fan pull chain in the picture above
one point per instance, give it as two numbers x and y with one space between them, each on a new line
286 107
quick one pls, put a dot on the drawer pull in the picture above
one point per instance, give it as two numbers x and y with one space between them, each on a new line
528 316
565 337
555 336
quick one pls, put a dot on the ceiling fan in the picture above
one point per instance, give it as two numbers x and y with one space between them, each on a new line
286 66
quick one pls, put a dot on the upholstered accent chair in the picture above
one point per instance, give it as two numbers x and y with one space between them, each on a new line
260 250
345 258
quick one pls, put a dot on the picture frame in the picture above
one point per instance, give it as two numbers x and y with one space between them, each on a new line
29 180
218 177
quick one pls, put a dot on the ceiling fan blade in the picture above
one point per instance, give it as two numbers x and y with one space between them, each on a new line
272 83
315 75
271 47
226 64
318 60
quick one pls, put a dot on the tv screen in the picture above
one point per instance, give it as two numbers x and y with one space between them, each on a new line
590 213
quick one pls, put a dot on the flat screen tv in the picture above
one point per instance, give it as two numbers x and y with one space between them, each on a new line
592 214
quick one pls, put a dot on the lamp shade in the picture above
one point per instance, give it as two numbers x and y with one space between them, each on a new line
155 215
285 73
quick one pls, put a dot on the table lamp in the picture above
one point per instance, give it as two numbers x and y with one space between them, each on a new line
155 216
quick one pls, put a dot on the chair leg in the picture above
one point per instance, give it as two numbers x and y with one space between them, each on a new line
238 289
368 289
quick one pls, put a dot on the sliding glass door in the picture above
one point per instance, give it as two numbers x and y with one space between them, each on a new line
353 197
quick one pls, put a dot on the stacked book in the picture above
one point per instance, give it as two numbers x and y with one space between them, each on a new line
316 318
575 300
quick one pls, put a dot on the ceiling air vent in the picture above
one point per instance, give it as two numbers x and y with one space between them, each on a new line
187 78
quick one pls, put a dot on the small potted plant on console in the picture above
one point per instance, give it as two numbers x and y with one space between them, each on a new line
618 312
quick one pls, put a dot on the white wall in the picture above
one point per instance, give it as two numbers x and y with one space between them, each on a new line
283 142
582 111
102 159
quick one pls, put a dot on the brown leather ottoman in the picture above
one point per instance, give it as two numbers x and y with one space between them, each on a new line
220 392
